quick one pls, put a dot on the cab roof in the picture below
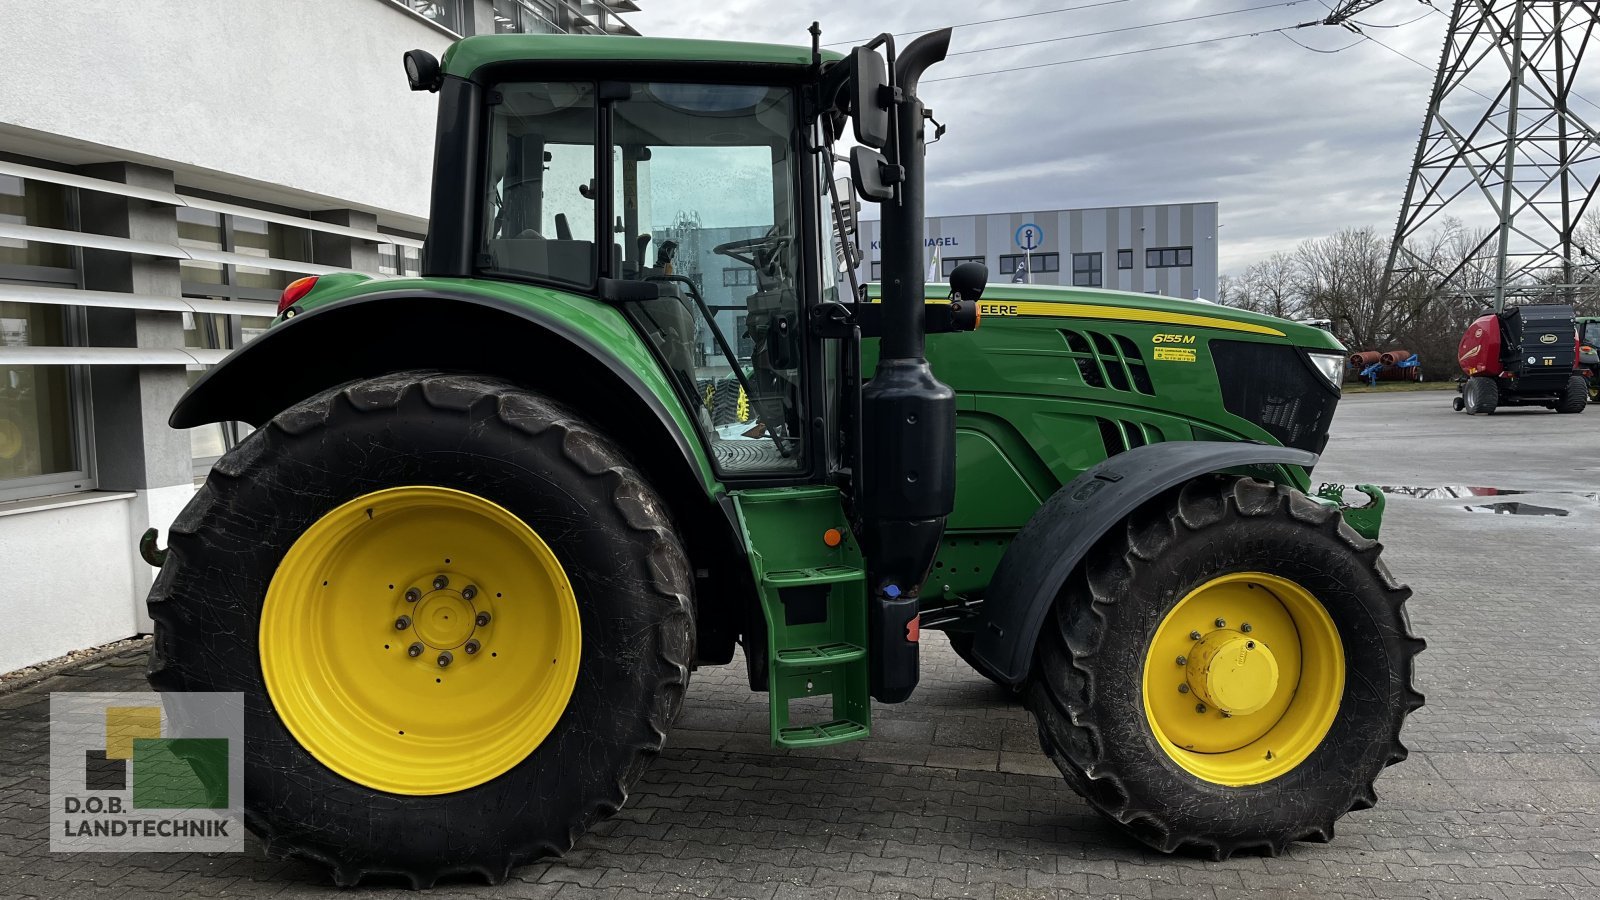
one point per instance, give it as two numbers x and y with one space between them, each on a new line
467 55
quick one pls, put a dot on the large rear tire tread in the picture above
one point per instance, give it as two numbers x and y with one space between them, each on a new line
1068 689
1576 397
195 535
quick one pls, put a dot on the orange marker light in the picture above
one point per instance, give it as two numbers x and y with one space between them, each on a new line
833 537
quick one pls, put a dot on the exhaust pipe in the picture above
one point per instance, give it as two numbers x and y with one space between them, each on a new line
908 416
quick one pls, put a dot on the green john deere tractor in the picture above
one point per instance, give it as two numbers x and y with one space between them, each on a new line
488 525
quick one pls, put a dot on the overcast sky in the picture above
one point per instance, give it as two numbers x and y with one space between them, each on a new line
1292 143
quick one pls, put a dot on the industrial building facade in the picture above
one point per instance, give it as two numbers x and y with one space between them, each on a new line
1168 249
170 170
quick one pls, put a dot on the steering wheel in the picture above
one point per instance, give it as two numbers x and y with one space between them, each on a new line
759 253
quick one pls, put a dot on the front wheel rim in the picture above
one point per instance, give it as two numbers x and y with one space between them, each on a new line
1243 678
420 640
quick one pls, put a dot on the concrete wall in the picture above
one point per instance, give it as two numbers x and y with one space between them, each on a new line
307 98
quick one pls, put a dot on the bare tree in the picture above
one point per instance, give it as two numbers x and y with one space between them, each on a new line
1274 286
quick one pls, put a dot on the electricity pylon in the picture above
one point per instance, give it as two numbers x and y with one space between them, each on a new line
1503 148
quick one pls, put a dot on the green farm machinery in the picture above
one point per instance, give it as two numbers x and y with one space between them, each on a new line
488 523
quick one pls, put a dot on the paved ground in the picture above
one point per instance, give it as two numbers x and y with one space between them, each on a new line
1500 799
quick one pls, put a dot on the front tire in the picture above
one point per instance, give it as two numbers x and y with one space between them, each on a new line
376 519
1229 670
1481 395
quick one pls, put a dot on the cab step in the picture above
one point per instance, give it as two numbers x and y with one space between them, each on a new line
813 598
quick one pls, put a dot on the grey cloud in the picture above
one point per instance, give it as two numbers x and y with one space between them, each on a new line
1292 143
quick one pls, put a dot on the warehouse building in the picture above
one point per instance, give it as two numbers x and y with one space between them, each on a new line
1169 250
163 175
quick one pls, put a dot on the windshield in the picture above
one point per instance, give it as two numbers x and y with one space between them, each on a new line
1591 334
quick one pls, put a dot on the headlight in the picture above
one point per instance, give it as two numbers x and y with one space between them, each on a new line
1331 365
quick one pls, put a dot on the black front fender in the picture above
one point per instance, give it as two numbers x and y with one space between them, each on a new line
1062 531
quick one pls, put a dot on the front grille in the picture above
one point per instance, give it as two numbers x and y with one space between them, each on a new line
1108 361
1272 386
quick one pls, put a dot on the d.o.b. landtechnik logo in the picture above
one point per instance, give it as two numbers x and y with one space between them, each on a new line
146 772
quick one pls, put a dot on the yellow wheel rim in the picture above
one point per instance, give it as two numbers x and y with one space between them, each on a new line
1243 678
420 640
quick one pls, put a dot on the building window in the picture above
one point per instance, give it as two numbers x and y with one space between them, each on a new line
1169 258
1038 262
947 266
440 12
744 344
1086 269
392 257
526 17
1124 259
738 276
214 331
27 202
43 408
877 270
202 229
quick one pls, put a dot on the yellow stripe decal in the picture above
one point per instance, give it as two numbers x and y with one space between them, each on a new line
1008 308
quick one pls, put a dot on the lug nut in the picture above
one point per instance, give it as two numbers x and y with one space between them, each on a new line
483 619
1199 707
1183 660
445 659
471 647
1194 635
440 583
1183 689
1221 622
402 623
415 650
1246 628
413 595
468 592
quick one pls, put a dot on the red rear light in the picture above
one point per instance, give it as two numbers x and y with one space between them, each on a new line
296 289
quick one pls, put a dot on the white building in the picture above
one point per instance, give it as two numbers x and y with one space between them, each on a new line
1168 249
166 168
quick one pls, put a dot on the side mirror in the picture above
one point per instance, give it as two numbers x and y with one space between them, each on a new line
869 78
874 178
968 281
422 70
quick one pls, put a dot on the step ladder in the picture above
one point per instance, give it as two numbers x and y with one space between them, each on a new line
813 598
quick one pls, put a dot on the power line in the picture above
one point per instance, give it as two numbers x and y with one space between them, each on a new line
1070 37
1065 62
1291 40
1046 12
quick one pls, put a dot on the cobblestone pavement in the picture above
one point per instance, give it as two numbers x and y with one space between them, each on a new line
951 797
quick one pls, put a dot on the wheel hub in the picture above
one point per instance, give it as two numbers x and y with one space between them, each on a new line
1232 672
444 619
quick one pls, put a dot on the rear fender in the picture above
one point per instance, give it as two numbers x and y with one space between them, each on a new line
1064 529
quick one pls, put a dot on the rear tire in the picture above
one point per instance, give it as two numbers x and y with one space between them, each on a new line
1104 637
1481 395
414 433
1576 396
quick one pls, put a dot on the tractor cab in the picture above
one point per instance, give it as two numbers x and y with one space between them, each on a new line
689 205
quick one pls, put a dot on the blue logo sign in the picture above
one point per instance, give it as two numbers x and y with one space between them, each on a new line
1030 237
